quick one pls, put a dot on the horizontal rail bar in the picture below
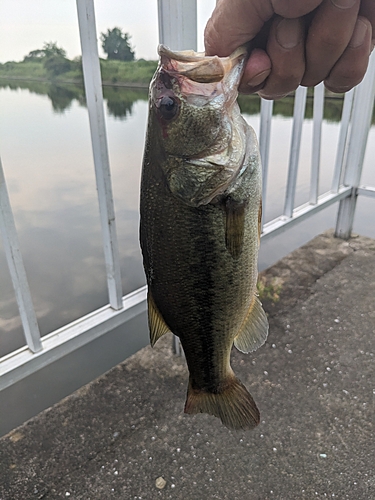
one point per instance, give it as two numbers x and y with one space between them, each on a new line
22 363
366 191
280 224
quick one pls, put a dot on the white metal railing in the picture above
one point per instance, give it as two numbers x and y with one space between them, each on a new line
94 100
178 29
17 269
345 188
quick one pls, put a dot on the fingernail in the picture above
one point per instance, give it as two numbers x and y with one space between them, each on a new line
273 97
343 4
288 34
359 34
259 78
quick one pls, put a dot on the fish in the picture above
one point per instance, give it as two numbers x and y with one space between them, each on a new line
200 220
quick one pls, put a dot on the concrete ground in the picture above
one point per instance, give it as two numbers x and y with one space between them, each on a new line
124 436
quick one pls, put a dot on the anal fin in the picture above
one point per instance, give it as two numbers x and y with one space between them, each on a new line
254 329
156 322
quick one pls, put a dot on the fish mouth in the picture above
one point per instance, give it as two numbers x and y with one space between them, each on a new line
198 67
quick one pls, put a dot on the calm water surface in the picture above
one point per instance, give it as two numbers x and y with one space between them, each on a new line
46 153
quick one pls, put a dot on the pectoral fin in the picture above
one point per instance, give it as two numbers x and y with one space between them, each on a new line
156 322
234 227
254 329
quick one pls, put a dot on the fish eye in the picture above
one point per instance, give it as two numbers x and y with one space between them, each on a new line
168 107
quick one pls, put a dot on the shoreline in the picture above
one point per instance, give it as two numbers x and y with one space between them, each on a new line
105 83
134 85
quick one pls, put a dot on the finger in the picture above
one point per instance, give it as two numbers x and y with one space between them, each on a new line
233 23
285 48
257 69
367 10
351 67
292 9
328 36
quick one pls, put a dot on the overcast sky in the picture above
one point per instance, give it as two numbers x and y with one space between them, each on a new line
26 24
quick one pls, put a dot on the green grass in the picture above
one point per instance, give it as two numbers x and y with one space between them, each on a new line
113 72
22 70
130 72
269 290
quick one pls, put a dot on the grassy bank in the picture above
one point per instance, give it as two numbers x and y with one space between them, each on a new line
138 72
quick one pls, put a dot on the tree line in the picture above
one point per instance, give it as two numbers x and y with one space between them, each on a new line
115 43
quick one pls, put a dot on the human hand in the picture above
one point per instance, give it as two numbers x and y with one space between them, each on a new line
295 43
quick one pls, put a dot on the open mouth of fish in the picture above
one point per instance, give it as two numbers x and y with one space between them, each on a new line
201 81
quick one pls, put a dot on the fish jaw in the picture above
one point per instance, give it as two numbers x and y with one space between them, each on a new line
197 122
198 78
199 68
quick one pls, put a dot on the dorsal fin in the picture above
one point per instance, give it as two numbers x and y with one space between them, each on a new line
156 322
254 329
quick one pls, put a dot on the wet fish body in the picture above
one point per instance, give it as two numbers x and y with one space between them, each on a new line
199 231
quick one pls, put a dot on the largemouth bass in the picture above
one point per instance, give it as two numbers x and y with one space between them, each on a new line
200 226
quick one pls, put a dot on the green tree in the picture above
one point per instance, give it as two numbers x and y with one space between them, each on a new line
56 65
50 49
116 45
34 55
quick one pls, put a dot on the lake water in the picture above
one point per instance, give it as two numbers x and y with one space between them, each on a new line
46 153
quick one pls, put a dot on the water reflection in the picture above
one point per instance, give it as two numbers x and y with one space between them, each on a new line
48 165
49 169
119 100
61 98
120 103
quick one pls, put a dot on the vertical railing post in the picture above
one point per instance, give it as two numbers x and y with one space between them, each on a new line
316 142
17 269
266 108
178 31
341 146
94 99
178 24
361 122
298 115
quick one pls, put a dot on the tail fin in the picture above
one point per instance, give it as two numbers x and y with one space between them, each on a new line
233 405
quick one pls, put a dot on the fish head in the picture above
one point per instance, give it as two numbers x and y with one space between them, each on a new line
193 114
